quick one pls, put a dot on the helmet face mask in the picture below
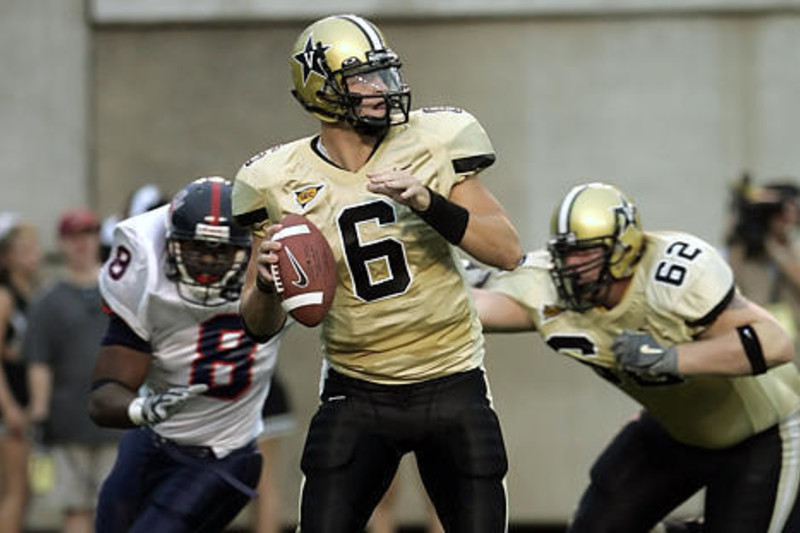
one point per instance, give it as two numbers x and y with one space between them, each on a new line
597 239
581 284
207 252
332 54
387 94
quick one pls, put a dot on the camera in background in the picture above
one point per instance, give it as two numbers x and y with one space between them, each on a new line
759 211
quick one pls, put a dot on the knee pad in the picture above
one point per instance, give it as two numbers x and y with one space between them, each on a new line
478 443
332 437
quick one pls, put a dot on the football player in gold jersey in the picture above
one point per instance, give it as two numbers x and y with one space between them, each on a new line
657 314
394 192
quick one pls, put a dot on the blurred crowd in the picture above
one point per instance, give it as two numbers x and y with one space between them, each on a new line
50 330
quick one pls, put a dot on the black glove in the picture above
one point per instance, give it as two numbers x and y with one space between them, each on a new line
640 353
155 408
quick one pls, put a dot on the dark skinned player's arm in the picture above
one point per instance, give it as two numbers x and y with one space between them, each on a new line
118 373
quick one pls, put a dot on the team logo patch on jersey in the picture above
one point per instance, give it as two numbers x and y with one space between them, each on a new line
550 311
305 196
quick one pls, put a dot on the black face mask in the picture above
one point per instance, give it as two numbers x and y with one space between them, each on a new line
207 262
575 294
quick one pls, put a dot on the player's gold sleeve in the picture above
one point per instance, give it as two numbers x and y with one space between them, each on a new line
467 143
529 284
691 279
248 201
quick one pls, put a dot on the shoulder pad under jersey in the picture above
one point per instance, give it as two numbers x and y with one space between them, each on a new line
687 277
257 175
468 145
131 272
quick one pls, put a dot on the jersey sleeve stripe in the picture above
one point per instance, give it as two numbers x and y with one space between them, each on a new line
473 163
253 217
715 312
120 333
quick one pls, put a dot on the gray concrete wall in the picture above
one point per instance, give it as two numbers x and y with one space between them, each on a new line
43 109
139 11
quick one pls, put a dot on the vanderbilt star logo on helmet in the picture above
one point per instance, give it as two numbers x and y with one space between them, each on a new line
311 58
627 212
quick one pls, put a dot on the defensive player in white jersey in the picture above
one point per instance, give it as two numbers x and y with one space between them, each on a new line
394 192
658 315
172 285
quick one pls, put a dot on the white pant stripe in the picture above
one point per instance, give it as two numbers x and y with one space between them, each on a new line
790 472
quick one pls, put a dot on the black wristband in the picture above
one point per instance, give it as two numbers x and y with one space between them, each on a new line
447 218
264 286
752 348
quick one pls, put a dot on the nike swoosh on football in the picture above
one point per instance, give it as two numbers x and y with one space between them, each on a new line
302 278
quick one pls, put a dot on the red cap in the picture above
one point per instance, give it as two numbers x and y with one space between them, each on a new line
77 221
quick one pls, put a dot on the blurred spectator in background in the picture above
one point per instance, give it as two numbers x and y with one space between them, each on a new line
140 201
764 250
20 257
65 327
278 424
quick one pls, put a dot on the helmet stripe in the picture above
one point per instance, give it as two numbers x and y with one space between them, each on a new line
216 202
566 208
368 30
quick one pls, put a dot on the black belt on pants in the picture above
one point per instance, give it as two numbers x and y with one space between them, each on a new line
202 457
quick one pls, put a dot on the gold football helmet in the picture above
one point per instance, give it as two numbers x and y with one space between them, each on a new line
338 53
593 215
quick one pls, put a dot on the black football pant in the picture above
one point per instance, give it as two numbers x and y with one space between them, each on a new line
644 474
361 431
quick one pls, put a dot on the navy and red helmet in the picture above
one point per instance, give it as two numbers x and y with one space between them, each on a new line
207 250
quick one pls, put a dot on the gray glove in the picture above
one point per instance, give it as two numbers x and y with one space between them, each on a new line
640 353
155 408
476 275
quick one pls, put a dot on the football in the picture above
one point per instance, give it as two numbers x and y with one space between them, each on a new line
305 274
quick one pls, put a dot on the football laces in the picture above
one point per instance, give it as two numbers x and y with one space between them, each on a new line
276 278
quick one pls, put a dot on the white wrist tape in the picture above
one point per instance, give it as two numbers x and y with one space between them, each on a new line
135 411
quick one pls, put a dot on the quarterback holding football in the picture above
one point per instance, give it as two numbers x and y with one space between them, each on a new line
394 192
657 314
172 286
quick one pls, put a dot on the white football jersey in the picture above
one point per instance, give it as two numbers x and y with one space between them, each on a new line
191 344
680 285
